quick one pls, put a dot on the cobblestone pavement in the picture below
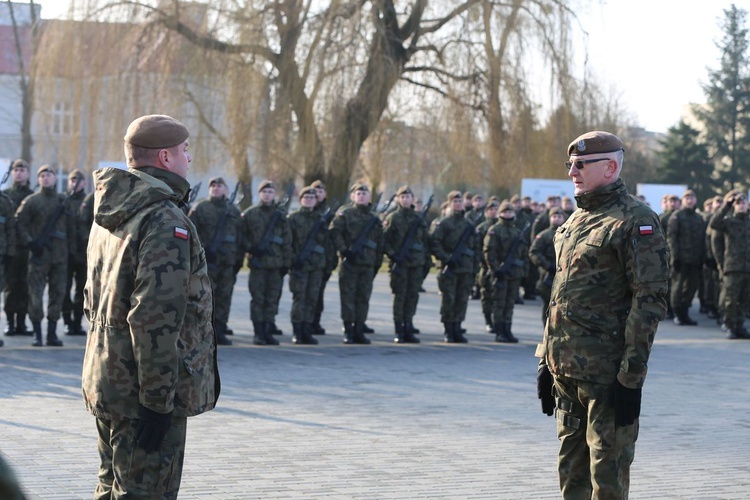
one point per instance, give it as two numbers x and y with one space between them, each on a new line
391 421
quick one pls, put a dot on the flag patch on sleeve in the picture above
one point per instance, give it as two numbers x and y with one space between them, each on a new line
183 233
643 230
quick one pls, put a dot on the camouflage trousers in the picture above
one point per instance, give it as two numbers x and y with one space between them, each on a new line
455 289
595 455
127 471
222 282
405 289
16 290
355 288
710 287
504 300
684 285
305 287
545 292
320 303
485 292
77 274
265 292
736 298
43 273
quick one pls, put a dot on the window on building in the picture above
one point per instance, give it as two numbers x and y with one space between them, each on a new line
62 118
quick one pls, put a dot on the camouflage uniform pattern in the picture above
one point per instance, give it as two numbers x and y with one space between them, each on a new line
355 278
73 308
305 282
484 277
542 255
7 234
267 271
735 264
48 268
16 291
686 237
331 263
607 300
497 245
406 282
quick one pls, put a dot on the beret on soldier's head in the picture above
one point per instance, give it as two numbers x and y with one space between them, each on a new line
477 197
156 132
492 204
453 195
553 197
359 186
20 163
216 180
595 142
555 211
526 198
687 193
444 205
266 184
307 190
404 190
673 197
76 174
318 184
505 205
515 198
566 198
45 168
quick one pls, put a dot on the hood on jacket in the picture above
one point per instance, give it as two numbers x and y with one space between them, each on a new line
120 194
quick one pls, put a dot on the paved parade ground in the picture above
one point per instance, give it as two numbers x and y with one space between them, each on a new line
392 421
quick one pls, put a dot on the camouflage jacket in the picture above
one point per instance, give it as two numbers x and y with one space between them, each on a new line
609 293
664 219
148 300
331 257
734 230
346 228
497 246
395 228
7 226
17 193
206 215
542 252
686 235
481 233
86 218
255 220
446 233
32 217
301 223
74 202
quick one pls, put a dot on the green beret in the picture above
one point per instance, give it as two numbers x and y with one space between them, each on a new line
404 190
595 142
45 168
20 163
76 174
216 180
453 195
495 198
515 198
477 197
566 198
687 193
318 184
359 186
505 205
308 190
156 132
555 211
266 184
491 204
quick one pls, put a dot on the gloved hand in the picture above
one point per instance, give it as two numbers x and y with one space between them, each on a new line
347 254
627 404
152 427
676 266
544 390
499 274
730 197
711 264
36 247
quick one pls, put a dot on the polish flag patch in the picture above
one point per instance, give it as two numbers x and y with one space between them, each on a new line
183 233
643 230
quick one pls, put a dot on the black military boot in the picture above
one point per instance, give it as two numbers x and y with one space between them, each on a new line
409 328
408 337
501 334
268 333
37 334
359 333
509 333
73 326
52 339
229 331
399 328
488 326
221 333
366 329
738 332
448 333
348 332
297 335
687 319
10 328
317 329
21 325
275 329
458 333
307 333
259 338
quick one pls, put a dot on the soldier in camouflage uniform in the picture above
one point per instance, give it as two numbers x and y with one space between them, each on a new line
686 237
217 221
407 273
150 359
608 297
309 261
669 205
455 244
7 235
735 262
46 229
72 310
16 291
484 277
331 259
269 261
542 255
711 284
506 267
356 226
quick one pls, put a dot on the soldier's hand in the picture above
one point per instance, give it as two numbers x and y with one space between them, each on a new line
627 404
152 427
544 390
36 247
347 254
499 274
729 197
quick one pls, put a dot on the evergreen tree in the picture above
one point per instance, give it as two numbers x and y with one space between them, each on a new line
684 159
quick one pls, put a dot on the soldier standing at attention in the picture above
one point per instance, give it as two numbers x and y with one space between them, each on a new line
309 261
269 243
7 235
687 246
608 297
669 205
16 291
45 228
217 221
735 229
357 235
405 243
72 310
542 255
331 260
454 243
485 276
150 359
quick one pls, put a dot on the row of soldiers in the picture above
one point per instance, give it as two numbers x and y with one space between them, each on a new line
710 256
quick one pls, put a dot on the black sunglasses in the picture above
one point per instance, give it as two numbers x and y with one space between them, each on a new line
580 163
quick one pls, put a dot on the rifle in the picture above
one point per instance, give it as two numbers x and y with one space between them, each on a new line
218 238
460 249
363 240
7 173
408 244
510 259
48 233
311 244
194 193
264 245
383 211
377 202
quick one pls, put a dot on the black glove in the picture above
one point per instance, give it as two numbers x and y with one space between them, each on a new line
676 265
544 390
451 264
499 274
152 427
627 404
711 264
36 247
348 254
